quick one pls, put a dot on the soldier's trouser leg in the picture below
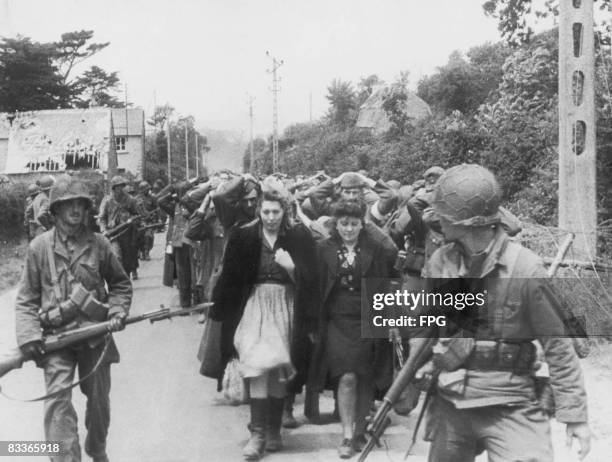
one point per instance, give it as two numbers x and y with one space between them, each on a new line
60 418
517 433
507 433
97 413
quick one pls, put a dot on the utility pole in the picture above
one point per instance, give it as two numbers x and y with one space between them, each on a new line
127 130
186 151
197 155
577 129
310 106
251 151
154 113
169 152
275 89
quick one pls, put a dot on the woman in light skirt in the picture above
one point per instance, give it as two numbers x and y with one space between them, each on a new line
265 299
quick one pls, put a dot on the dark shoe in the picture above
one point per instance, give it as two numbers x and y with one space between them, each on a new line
345 450
134 275
273 428
256 445
359 442
288 419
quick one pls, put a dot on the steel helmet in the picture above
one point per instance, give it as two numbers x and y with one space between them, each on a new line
66 189
118 180
144 186
468 195
33 189
433 171
46 182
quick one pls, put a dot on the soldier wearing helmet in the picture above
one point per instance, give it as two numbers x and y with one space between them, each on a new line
28 213
485 394
42 219
148 204
72 276
117 208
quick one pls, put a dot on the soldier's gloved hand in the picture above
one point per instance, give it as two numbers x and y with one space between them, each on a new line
582 432
117 322
33 350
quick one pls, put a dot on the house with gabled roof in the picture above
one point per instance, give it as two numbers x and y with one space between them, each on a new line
58 140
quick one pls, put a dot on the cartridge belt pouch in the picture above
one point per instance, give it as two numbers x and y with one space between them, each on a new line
518 358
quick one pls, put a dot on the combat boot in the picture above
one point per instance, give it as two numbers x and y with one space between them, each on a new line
275 414
256 445
288 419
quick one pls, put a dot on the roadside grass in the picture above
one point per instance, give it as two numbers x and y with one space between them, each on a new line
12 260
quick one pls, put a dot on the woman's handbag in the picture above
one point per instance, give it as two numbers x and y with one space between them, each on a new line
234 386
209 353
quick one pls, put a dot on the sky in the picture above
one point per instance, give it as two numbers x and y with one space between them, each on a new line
205 57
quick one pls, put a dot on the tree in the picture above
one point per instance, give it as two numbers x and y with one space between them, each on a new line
512 16
160 115
28 76
366 87
96 88
343 102
394 104
73 49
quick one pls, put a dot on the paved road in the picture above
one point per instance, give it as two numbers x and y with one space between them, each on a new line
164 411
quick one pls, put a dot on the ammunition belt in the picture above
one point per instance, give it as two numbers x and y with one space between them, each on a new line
517 357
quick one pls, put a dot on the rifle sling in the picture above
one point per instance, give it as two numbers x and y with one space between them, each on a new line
65 389
53 269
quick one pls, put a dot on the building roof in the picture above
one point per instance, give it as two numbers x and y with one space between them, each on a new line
135 121
49 135
373 116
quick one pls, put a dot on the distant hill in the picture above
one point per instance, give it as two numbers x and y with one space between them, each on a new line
226 149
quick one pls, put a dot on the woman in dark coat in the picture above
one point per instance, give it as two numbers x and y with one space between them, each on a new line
264 298
355 251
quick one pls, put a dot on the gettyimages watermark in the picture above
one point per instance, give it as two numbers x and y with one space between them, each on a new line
504 308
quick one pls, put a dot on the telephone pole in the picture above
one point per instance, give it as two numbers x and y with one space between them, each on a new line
310 106
169 153
275 89
186 152
197 155
251 151
577 143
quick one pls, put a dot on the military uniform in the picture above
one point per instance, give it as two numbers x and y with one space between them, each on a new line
147 204
85 258
114 213
486 388
41 218
483 401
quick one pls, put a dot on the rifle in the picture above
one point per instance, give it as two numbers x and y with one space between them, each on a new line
154 225
118 230
62 338
419 356
172 193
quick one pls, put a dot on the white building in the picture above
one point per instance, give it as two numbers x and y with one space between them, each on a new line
72 139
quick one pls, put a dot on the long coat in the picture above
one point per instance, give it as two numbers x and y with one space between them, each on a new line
237 279
378 253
